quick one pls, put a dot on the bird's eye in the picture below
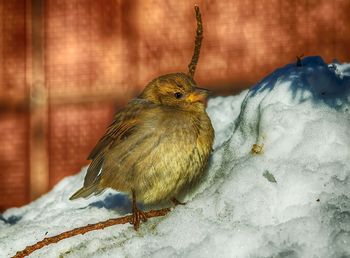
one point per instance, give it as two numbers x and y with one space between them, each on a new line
178 95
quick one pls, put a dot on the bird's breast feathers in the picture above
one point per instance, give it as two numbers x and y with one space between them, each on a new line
169 149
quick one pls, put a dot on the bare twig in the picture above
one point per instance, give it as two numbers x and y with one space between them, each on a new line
82 230
299 58
197 43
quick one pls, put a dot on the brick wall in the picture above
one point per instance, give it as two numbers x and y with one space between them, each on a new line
67 65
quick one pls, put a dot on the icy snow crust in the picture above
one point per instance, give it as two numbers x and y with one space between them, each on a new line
301 117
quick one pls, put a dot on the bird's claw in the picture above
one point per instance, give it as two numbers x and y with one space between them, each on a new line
177 202
137 216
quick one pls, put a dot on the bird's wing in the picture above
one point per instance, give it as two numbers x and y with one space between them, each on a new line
122 126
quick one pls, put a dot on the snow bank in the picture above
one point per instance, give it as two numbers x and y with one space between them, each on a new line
290 200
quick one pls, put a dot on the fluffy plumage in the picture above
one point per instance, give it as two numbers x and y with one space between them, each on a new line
156 145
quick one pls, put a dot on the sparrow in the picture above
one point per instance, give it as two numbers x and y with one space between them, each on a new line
157 145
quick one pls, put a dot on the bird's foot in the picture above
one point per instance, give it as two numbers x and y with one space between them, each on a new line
177 202
137 216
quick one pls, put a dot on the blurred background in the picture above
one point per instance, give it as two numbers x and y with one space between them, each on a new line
67 65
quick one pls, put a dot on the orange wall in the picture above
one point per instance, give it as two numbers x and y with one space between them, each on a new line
96 55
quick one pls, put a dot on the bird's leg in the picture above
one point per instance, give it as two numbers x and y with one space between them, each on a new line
177 202
137 214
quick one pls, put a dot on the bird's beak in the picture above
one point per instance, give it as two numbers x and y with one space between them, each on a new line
199 95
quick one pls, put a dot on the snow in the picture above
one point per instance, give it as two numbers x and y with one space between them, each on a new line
290 200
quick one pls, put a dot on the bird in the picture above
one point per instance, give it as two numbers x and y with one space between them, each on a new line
158 144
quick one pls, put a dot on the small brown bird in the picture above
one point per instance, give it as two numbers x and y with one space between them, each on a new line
159 143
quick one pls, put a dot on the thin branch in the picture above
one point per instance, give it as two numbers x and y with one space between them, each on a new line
197 43
299 60
82 230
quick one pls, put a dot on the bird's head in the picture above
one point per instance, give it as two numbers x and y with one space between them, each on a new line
176 90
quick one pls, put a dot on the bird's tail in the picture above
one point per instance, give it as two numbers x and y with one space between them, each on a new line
85 191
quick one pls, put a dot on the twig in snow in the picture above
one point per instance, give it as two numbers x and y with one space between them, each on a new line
299 63
82 230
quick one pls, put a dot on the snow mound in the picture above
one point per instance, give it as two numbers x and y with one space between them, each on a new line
289 199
